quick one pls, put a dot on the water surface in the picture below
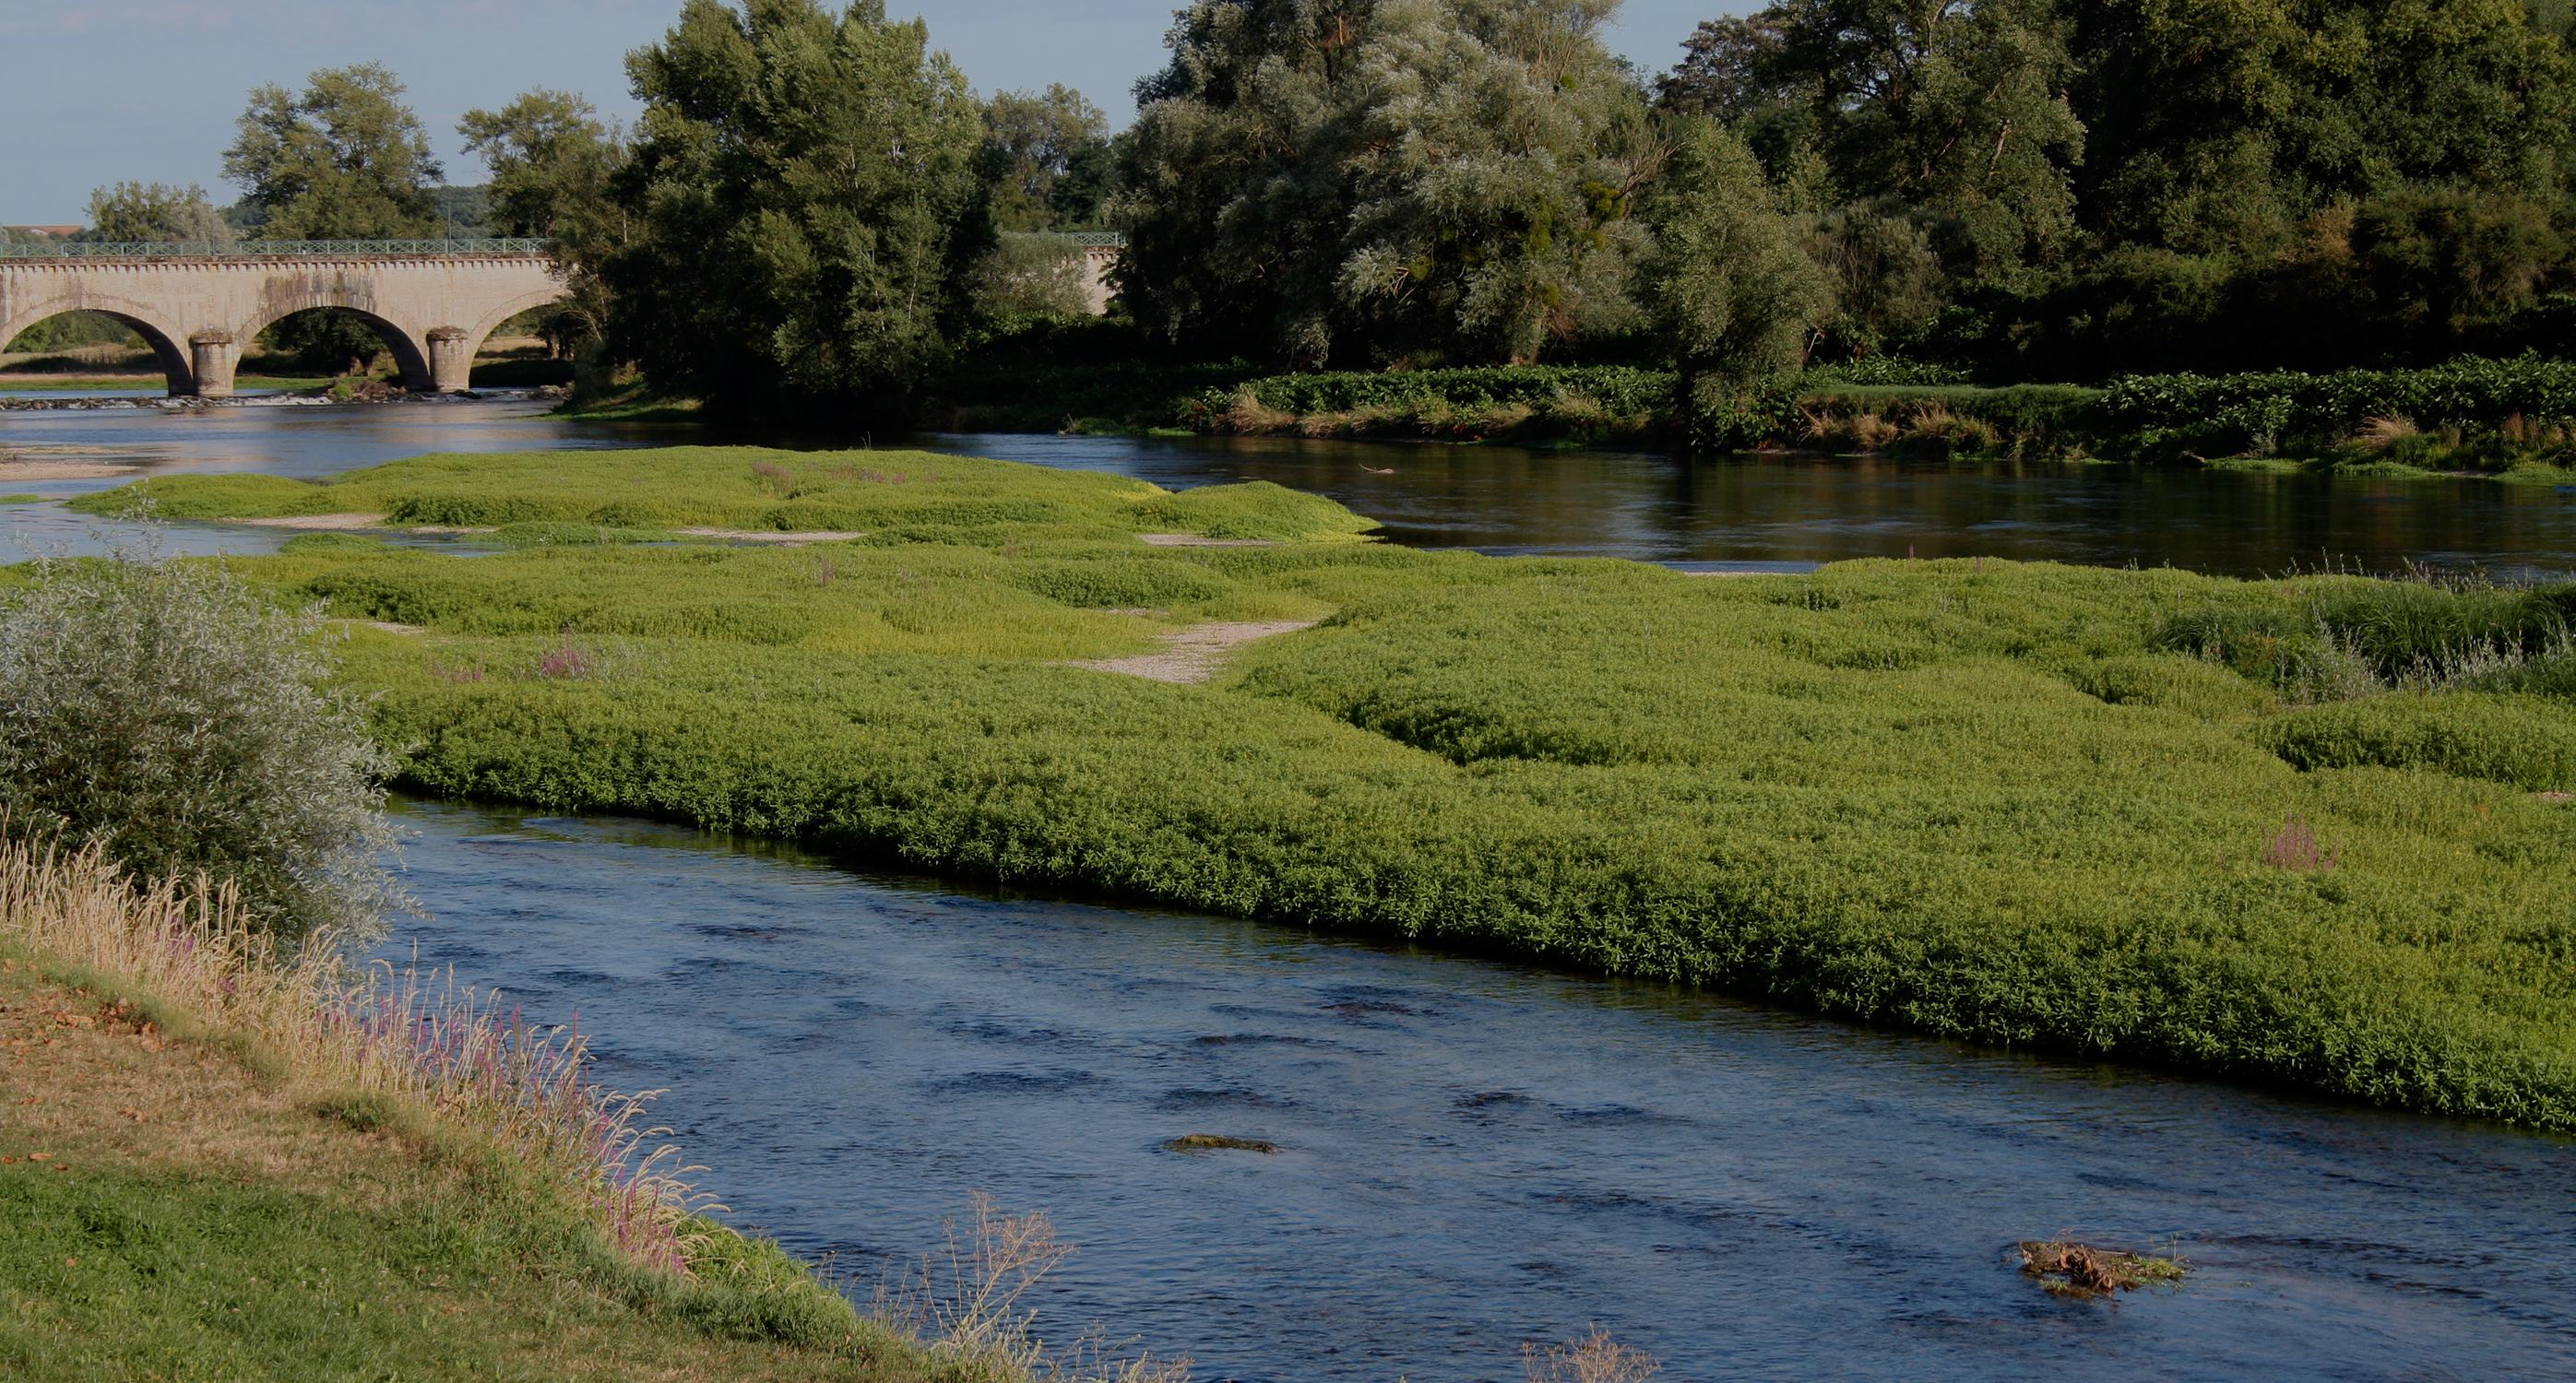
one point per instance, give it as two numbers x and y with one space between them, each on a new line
1773 514
1474 1155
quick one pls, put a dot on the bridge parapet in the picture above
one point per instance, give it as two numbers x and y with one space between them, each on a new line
265 249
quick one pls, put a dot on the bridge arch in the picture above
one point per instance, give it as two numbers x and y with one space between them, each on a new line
169 348
408 348
481 331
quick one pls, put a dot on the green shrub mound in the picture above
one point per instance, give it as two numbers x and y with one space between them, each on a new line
550 496
2022 804
2167 417
2529 742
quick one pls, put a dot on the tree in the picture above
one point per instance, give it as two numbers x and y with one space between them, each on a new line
1045 157
805 203
346 160
1232 191
1955 109
1360 180
551 162
553 168
133 211
1733 294
1500 149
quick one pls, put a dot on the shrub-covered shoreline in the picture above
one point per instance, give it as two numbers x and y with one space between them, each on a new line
2512 419
2025 804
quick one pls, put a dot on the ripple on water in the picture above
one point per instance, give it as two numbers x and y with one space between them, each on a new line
1739 1193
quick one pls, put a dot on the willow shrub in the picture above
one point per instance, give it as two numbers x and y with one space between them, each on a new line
175 717
1985 800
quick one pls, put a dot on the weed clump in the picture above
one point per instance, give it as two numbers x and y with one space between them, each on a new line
2083 1272
1218 1142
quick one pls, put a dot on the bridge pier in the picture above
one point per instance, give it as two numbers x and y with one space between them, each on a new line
451 359
213 357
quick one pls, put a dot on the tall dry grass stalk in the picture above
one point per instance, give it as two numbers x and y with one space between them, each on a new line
1596 1358
409 1036
969 1303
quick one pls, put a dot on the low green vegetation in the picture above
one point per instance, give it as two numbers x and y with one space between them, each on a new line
2306 832
93 382
894 497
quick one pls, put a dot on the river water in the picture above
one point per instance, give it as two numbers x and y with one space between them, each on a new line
1472 1155
1779 514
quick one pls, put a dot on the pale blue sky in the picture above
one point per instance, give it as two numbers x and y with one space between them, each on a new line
95 91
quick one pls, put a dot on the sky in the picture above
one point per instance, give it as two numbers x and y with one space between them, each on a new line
102 91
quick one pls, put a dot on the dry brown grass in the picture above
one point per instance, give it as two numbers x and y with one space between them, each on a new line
1596 1358
2379 434
2084 1271
401 1036
971 1302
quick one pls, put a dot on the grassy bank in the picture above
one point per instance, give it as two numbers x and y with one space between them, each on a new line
220 1166
2301 832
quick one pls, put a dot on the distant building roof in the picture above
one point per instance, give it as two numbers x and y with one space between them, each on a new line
53 232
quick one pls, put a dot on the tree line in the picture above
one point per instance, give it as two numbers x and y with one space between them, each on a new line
815 207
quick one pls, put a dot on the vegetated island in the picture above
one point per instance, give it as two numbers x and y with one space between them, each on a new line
2307 832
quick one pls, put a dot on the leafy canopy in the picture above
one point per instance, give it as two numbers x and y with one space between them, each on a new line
804 200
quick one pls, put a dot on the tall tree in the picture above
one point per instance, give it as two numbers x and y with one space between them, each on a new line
345 160
1734 294
1358 180
551 160
805 202
1232 190
1956 109
1499 156
1044 155
134 211
553 165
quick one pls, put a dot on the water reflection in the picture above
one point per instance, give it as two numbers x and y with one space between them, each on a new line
1474 1155
1772 514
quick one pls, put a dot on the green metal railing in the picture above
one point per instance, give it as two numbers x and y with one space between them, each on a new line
260 249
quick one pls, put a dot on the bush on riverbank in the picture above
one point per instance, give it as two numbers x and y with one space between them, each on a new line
1994 801
169 714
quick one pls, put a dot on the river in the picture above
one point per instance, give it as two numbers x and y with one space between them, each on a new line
1769 514
1473 1155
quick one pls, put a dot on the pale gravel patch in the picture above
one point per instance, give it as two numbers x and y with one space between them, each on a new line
17 469
746 535
392 628
315 523
1191 655
1195 540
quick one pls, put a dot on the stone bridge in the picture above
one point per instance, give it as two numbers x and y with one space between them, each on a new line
432 302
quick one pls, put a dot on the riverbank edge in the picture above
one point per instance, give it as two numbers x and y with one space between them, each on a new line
71 927
1959 424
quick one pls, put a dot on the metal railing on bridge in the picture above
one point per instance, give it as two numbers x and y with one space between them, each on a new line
259 249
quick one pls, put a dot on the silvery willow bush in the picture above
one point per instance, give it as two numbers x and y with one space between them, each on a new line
177 716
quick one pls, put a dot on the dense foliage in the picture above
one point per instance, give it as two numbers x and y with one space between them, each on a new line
805 201
172 714
343 160
131 211
1356 181
2032 805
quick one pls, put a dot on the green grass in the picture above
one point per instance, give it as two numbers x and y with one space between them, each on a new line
895 495
172 1213
25 499
2020 804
